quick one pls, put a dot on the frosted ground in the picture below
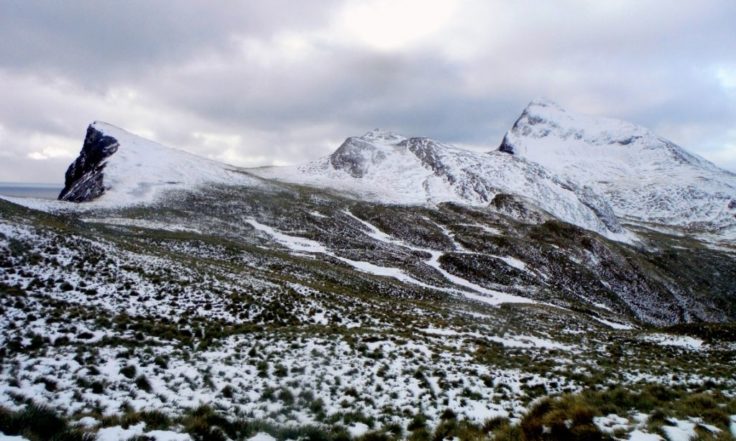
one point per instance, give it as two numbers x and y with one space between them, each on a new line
113 321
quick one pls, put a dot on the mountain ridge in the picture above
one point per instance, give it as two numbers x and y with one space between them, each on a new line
588 171
391 168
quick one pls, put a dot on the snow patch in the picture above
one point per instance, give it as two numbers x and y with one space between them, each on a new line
358 429
638 435
681 430
117 433
293 243
528 341
680 341
4 437
439 331
610 423
613 325
261 436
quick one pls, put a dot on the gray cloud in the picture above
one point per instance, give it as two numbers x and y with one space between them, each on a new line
270 82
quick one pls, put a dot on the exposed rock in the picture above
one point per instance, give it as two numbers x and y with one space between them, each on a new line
506 146
519 209
84 177
355 156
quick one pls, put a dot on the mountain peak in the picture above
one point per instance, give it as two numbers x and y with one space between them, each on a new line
384 136
545 103
117 168
645 176
543 118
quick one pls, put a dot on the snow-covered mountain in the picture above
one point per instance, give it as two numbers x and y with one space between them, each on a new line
583 170
252 305
643 176
117 168
385 167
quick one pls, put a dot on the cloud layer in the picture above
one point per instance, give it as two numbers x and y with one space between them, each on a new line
258 83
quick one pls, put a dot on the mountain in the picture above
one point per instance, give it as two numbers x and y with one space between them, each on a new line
398 289
118 168
644 177
388 168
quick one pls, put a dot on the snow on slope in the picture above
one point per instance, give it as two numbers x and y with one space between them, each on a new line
140 171
389 168
644 177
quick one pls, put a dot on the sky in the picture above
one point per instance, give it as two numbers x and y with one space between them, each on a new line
277 82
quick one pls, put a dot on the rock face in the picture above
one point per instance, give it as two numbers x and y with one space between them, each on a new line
84 177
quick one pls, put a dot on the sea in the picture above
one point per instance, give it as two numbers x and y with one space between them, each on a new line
29 190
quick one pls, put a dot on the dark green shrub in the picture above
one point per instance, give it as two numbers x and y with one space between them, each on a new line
143 383
129 371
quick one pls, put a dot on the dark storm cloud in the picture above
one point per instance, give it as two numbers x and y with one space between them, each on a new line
281 81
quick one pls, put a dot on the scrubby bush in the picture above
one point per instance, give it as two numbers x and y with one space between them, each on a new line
129 371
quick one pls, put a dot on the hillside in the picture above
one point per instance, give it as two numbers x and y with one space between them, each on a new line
399 288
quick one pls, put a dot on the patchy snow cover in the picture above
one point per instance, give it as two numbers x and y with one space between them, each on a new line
513 262
681 430
644 177
610 423
529 341
440 331
470 290
613 325
358 429
261 436
167 435
4 437
118 433
141 223
638 435
87 422
681 341
485 229
389 168
293 243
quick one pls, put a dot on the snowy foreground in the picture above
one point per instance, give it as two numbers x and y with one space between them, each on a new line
133 323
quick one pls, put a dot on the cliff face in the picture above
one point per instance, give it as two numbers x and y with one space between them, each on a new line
84 177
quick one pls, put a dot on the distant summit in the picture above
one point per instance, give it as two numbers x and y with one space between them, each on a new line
644 176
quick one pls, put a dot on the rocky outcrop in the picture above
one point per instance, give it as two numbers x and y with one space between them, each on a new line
355 156
84 177
506 146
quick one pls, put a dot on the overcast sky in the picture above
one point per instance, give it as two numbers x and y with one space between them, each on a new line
275 82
